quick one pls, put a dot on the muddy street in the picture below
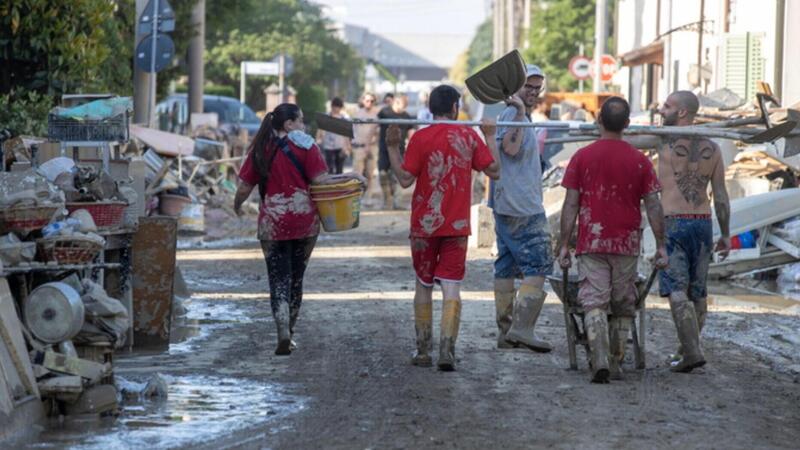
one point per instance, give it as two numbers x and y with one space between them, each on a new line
350 383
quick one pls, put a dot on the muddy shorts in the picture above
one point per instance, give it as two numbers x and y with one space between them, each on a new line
690 243
523 246
439 258
608 280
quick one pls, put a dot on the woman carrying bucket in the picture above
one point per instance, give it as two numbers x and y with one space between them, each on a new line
284 162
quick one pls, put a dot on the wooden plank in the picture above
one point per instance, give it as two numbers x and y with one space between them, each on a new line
12 338
57 362
154 246
771 259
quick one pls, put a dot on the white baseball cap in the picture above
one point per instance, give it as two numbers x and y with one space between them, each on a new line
532 70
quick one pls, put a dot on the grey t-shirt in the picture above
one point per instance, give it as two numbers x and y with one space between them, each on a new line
518 192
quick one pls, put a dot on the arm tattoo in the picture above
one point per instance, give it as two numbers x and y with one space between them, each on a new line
723 210
655 215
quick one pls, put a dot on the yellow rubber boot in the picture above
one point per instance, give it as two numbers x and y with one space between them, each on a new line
504 307
423 324
451 320
530 300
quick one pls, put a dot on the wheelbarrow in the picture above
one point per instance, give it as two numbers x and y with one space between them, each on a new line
566 287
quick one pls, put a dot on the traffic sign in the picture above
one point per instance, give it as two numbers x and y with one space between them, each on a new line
580 67
166 18
165 51
608 67
261 68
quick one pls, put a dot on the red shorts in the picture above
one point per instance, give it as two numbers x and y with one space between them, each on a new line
439 258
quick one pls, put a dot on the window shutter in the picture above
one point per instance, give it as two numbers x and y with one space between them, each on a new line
744 64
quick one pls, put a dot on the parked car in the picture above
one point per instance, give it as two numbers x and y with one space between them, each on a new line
173 114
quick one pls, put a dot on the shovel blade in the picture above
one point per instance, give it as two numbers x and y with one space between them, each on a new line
499 80
771 134
334 125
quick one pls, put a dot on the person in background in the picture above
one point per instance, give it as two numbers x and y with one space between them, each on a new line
336 148
424 112
388 99
284 162
387 179
365 140
441 159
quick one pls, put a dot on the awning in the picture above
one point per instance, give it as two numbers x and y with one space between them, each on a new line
652 53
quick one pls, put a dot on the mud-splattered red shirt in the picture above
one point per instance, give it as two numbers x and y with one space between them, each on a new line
611 177
442 158
287 211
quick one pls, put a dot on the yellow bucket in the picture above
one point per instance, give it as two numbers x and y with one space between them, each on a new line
339 213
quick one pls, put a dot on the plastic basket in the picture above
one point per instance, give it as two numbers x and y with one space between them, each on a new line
69 129
68 249
105 214
23 220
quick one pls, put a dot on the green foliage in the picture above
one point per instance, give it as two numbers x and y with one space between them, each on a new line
25 113
558 27
52 46
209 89
311 99
480 49
258 30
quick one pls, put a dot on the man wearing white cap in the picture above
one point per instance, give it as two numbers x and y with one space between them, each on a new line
523 238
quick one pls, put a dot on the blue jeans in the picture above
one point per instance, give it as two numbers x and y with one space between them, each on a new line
523 246
690 243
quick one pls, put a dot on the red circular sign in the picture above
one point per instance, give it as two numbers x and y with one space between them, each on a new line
608 67
580 67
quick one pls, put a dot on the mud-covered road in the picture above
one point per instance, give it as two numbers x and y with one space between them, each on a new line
358 390
350 384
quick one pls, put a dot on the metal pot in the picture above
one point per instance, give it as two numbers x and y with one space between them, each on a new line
54 312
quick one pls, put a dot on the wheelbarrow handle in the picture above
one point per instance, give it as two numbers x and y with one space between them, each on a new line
564 281
643 293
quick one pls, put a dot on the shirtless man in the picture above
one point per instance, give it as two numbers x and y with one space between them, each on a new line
686 166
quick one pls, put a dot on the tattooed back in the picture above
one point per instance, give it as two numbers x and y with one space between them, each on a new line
685 168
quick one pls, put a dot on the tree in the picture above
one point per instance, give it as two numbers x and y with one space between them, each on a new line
257 30
558 27
480 49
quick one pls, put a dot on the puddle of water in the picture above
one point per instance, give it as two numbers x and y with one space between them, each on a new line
197 409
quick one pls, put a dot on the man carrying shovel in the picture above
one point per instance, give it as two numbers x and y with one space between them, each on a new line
523 238
440 158
606 182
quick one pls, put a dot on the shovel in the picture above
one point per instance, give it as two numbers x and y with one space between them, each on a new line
499 80
334 125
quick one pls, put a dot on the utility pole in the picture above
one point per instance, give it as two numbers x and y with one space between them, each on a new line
195 60
509 27
580 53
282 76
141 79
497 20
599 43
526 24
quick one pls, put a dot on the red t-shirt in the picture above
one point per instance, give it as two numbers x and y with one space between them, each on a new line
442 158
611 177
287 211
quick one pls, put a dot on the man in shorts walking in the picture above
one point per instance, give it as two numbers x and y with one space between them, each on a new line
440 158
607 198
523 237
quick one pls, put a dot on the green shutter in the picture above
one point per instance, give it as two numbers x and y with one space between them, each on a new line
744 64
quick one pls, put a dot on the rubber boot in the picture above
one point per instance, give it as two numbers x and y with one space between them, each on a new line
386 188
293 315
701 310
451 319
596 323
284 333
618 330
423 324
687 326
530 300
504 307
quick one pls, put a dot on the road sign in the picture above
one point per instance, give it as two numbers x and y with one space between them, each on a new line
166 18
165 51
261 68
580 67
608 67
